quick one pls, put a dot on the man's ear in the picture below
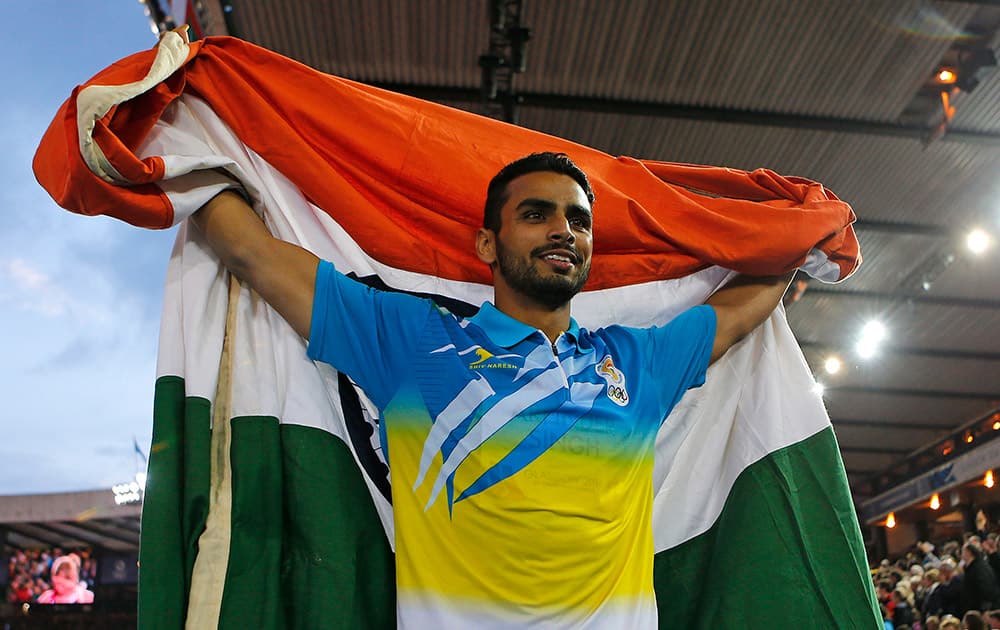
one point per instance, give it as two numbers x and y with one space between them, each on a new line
486 246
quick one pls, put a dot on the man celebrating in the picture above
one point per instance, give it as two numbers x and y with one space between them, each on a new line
521 445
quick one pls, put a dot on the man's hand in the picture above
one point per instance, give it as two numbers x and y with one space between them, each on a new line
283 274
742 305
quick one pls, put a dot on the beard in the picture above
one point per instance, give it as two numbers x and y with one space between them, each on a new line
552 291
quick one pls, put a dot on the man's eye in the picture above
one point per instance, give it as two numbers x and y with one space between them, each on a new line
579 222
532 214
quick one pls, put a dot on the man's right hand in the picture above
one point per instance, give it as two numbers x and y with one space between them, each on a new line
283 274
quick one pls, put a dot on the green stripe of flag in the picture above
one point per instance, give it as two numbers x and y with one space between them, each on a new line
786 551
175 505
307 548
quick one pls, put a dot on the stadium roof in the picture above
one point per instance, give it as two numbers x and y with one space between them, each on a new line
69 520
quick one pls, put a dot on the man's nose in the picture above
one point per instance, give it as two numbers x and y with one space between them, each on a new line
559 228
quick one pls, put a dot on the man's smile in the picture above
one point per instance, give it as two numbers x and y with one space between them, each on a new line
560 258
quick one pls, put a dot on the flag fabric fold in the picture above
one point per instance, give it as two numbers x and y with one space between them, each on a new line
268 499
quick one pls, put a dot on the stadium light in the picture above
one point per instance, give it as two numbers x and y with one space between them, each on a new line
935 501
988 480
832 365
128 492
890 521
875 331
818 388
978 241
873 334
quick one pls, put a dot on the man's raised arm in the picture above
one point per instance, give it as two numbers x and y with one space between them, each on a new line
742 305
283 274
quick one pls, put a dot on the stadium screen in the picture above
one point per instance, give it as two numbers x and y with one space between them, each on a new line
51 576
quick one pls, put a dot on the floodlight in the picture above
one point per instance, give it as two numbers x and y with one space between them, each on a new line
978 241
832 365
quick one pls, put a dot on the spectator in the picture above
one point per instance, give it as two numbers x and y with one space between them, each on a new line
991 554
979 586
66 585
884 592
973 621
951 588
932 603
932 622
950 622
982 525
927 549
902 613
992 617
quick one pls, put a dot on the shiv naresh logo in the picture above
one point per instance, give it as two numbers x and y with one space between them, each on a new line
615 381
487 360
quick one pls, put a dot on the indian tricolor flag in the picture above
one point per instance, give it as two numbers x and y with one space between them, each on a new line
268 501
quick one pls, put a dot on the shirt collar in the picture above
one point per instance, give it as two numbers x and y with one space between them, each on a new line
507 332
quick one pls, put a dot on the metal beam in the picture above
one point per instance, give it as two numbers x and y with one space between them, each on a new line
929 353
109 529
892 227
874 450
546 100
893 296
44 534
986 3
922 393
95 539
899 426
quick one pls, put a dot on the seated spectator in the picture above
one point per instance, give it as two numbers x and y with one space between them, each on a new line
932 622
950 622
992 617
902 613
973 620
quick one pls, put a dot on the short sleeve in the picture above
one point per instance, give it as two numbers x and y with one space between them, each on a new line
368 334
677 354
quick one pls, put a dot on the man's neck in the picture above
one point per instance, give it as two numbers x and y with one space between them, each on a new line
552 322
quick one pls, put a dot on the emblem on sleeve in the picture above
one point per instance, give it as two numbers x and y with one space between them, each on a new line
615 380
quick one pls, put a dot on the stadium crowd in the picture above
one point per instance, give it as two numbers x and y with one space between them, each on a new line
948 587
31 579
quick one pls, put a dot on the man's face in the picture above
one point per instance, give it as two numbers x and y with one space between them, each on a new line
544 246
967 557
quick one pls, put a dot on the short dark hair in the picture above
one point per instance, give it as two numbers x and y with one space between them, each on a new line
974 549
496 192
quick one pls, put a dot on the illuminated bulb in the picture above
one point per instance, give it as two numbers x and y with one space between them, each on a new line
832 365
946 76
969 438
978 241
946 450
890 521
996 425
873 331
935 501
818 389
988 480
866 348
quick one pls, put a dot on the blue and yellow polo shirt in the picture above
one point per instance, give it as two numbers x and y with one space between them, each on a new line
521 469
